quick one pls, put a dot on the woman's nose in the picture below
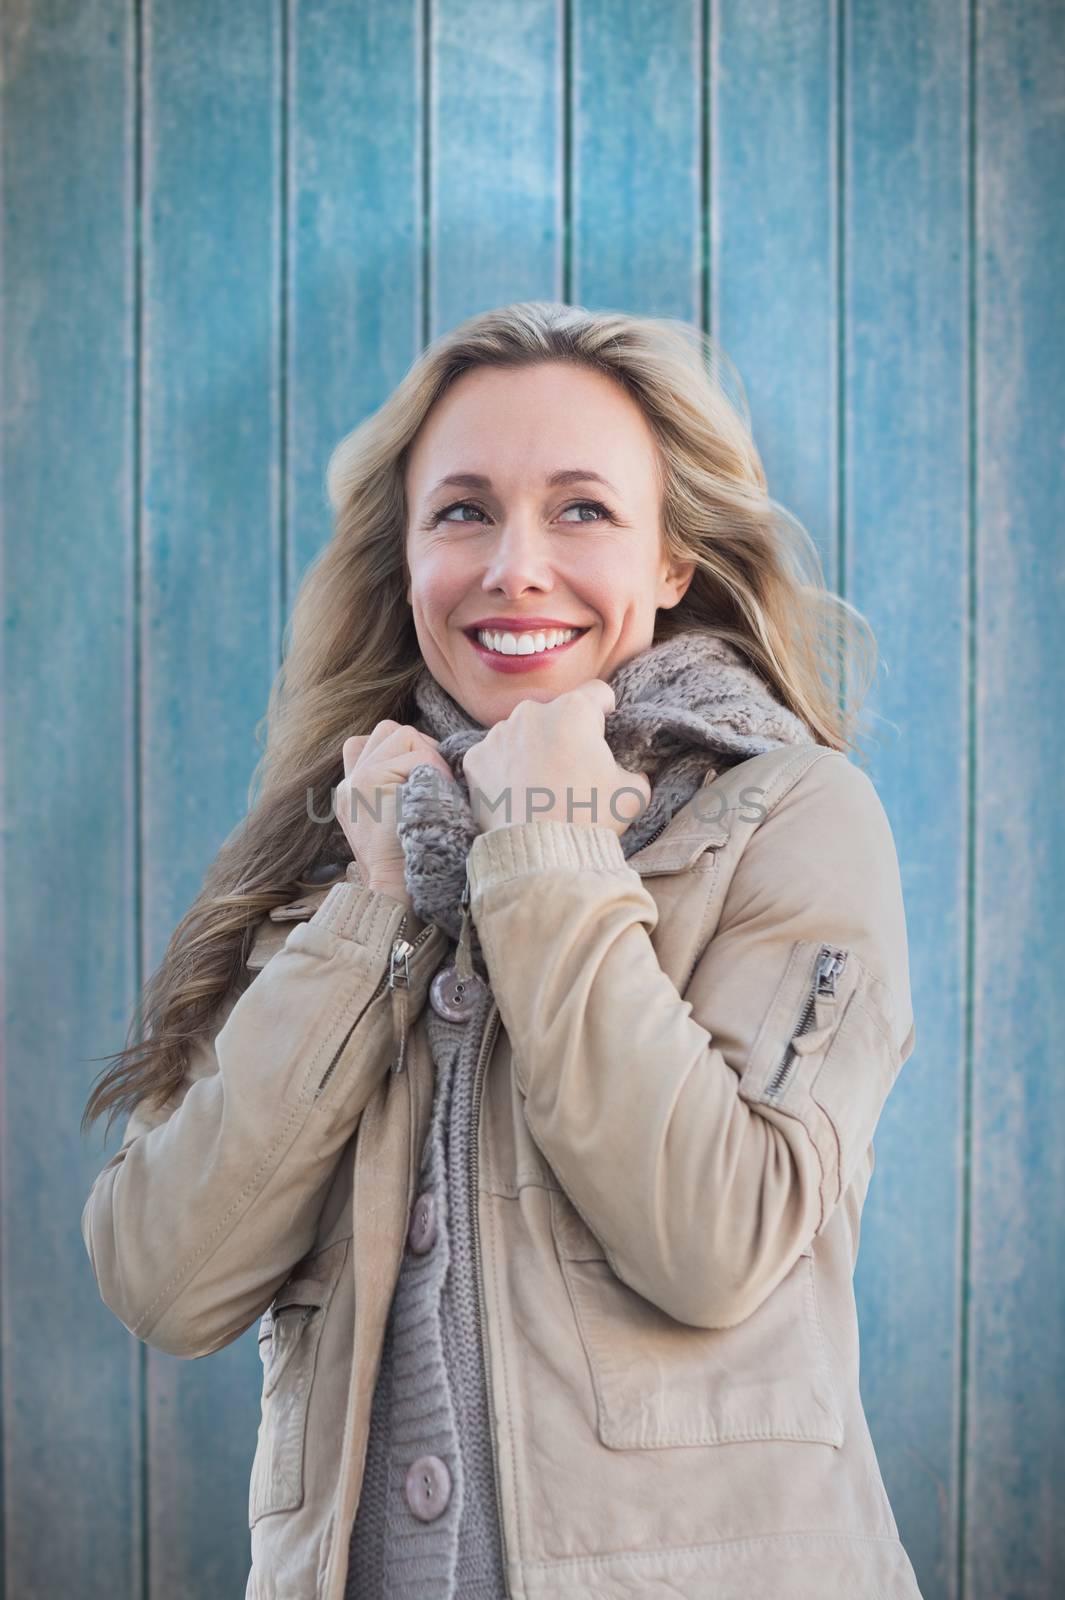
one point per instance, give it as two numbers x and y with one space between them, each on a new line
519 559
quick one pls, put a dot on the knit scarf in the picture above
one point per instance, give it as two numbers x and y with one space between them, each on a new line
682 706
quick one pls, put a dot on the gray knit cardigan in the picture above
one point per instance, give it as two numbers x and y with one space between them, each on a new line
430 1396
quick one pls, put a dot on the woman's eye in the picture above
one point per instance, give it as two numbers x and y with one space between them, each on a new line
460 505
444 515
593 505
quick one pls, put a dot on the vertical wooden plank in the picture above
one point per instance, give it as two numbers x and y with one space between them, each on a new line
211 406
777 277
1014 1533
354 258
773 265
69 1440
904 279
493 220
636 157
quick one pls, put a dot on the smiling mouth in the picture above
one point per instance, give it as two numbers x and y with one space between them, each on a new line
524 643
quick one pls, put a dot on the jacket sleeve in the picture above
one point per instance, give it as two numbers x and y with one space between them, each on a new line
700 1144
196 1221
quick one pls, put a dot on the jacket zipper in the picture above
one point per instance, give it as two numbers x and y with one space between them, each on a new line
662 826
491 1028
487 1041
830 963
400 953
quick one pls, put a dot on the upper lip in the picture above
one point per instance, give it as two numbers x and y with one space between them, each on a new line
520 624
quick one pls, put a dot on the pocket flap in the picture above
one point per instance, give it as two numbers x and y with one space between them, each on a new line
307 1291
313 1280
679 851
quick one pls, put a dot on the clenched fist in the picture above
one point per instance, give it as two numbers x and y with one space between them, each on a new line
375 766
551 761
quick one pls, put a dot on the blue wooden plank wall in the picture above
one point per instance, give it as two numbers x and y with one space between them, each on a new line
227 230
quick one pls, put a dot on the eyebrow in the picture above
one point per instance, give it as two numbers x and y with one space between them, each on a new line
475 480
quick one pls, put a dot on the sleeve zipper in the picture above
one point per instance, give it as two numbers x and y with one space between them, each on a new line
830 963
396 980
398 987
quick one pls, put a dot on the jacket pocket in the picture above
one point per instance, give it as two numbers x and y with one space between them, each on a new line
826 1054
290 1331
659 1383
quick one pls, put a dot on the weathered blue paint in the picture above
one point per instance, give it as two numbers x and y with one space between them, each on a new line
212 399
69 1391
227 231
1014 1441
904 531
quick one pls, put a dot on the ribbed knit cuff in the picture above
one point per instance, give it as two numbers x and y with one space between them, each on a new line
522 848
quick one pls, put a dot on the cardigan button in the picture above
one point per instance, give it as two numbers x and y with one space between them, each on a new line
428 1487
454 998
422 1230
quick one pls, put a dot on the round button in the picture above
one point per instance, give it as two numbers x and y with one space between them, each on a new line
428 1487
324 872
454 998
422 1229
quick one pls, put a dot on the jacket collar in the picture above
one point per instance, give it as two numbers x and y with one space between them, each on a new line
684 838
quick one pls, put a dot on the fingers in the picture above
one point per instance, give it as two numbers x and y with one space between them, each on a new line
372 786
599 692
593 692
391 760
384 730
352 750
387 736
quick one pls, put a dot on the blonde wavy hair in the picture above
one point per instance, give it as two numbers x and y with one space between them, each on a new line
758 582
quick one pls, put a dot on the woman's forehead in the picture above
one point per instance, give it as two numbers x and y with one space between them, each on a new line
518 429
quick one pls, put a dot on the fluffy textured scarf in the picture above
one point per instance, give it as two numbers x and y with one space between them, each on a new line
683 705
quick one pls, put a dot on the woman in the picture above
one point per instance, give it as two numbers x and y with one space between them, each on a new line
525 1093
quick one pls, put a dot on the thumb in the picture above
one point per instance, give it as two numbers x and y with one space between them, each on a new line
599 693
633 793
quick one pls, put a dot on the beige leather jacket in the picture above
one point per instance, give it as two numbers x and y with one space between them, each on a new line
678 1087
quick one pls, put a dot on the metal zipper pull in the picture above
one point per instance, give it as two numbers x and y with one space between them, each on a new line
398 986
818 1009
831 965
395 980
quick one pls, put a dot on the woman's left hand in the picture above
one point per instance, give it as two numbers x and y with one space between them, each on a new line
551 762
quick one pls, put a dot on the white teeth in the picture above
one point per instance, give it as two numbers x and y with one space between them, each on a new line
526 644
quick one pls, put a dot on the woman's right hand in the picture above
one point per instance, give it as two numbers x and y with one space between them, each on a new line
375 765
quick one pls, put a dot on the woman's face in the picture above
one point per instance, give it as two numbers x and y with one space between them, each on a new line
533 505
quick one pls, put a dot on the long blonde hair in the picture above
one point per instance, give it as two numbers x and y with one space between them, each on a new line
758 581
